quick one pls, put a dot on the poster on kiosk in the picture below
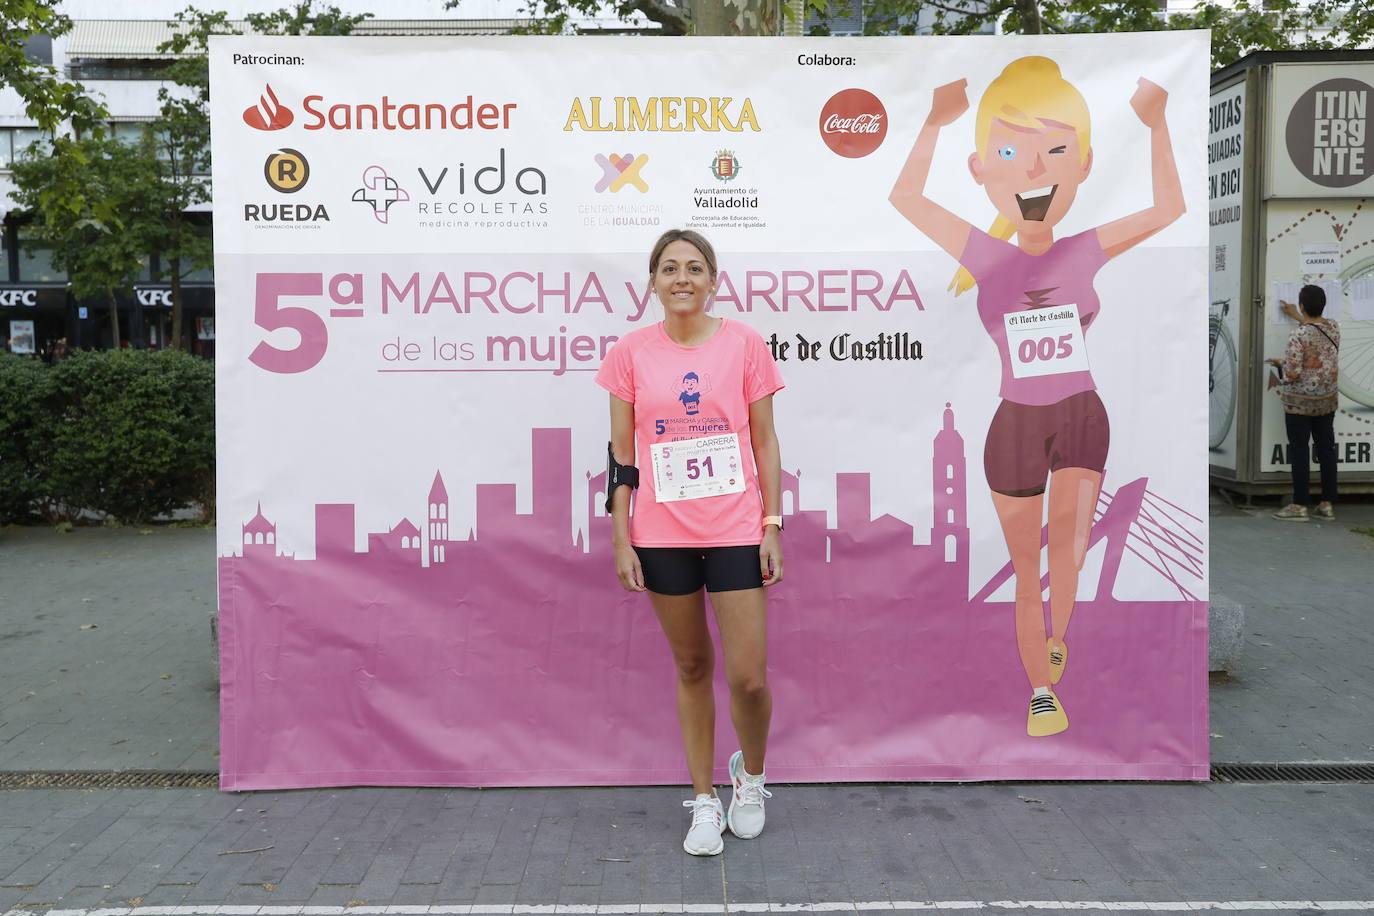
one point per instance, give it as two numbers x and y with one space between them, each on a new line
975 265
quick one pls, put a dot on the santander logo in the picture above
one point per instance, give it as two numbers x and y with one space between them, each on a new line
268 114
853 123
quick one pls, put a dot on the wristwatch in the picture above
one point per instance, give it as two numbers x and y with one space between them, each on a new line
772 520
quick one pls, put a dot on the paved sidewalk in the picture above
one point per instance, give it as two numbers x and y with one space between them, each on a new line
588 847
90 622
1304 690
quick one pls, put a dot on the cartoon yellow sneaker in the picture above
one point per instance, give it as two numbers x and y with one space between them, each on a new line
1047 716
1059 659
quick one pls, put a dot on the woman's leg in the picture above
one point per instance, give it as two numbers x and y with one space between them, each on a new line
742 616
683 618
1020 517
1299 430
1073 502
1324 441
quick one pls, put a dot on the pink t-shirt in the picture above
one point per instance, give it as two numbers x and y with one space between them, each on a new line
686 393
1010 280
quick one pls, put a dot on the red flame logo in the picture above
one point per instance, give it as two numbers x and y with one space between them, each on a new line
268 114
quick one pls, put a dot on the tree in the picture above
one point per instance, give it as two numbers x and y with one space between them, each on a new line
1238 26
180 137
85 196
48 99
675 17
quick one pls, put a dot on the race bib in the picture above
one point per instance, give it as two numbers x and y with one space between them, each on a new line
1047 341
694 468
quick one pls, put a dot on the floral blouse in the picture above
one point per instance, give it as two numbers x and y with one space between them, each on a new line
1309 369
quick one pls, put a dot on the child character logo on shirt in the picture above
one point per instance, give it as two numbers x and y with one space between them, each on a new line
689 391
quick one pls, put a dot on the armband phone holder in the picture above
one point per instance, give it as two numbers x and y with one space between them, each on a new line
618 475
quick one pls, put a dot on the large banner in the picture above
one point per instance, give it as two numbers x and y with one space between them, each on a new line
424 249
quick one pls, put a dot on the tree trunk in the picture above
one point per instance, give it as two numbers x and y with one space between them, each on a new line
736 17
1029 11
114 319
175 264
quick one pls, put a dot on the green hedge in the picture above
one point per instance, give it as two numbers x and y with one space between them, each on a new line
128 434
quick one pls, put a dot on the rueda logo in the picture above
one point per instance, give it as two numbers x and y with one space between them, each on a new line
380 191
618 171
853 123
268 114
286 170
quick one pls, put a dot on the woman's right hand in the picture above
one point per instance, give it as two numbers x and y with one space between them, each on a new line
949 101
628 570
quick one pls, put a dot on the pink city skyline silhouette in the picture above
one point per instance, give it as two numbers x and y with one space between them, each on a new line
507 654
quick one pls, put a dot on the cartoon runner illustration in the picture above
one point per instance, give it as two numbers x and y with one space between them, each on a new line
1036 299
690 395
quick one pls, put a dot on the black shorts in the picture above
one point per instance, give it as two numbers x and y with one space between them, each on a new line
684 570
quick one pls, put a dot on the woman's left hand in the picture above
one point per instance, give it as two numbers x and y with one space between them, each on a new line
770 557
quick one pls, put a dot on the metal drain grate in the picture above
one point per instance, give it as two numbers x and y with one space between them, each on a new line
1293 772
127 779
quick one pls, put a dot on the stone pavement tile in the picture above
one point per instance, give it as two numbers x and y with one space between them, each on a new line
787 890
302 878
743 860
271 865
351 864
577 895
218 880
414 895
661 892
619 886
461 879
74 896
27 863
167 895
244 894
10 897
383 877
588 840
746 892
109 856
518 814
537 889
703 877
334 895
832 891
430 861
892 890
496 893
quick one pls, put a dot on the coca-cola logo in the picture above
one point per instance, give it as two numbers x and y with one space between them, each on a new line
268 114
853 123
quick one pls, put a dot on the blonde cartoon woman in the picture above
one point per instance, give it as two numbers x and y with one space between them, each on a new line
1037 301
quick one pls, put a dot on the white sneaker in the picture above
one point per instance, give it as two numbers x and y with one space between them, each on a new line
703 837
746 801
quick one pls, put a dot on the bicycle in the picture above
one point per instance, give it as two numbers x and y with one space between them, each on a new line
1221 374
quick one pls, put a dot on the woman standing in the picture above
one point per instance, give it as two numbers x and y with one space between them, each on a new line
692 405
1308 392
1033 153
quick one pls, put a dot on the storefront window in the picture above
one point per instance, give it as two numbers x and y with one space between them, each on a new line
35 264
